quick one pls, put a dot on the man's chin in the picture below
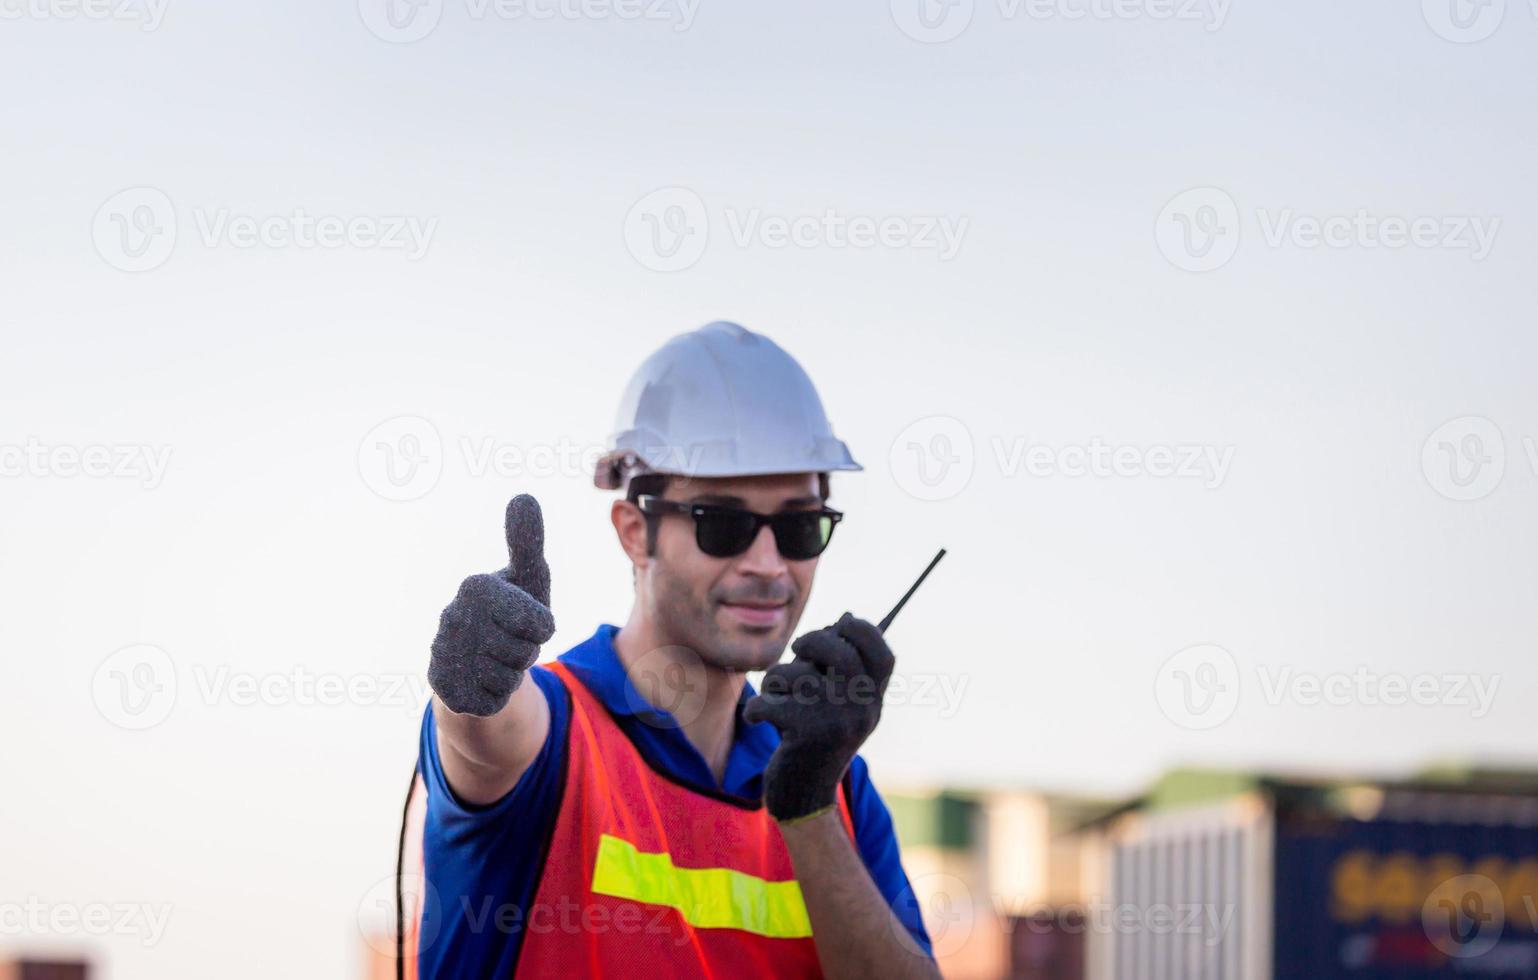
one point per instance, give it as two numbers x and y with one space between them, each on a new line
744 649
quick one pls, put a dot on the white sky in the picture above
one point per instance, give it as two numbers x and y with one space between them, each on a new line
1033 656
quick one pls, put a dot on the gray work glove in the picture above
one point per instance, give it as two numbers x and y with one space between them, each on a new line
490 635
825 703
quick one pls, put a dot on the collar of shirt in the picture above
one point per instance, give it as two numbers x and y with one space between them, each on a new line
658 735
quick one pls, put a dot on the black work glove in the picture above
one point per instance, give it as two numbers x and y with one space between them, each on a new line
490 635
825 703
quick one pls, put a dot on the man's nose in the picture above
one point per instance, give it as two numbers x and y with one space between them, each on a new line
763 556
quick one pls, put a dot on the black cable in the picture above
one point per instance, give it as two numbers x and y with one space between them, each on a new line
400 874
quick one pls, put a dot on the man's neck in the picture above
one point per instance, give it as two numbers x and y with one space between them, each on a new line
702 698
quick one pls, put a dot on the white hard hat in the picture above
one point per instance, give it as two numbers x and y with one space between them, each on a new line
720 401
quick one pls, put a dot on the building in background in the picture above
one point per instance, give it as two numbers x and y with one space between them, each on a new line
44 969
1232 876
1000 877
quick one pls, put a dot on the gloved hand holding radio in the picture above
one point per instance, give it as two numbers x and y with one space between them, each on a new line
490 635
825 702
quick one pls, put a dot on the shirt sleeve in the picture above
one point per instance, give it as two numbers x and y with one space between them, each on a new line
484 857
877 843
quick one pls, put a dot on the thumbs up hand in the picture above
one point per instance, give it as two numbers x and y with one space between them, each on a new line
490 635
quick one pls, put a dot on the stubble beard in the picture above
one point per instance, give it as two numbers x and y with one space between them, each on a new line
689 620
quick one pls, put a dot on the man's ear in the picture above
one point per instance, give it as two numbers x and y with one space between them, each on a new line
630 528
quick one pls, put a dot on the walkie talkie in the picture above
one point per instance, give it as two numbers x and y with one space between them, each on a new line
887 620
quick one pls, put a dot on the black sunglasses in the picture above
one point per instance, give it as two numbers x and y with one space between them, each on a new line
723 532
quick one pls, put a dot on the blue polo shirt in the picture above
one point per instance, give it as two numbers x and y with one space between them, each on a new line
483 863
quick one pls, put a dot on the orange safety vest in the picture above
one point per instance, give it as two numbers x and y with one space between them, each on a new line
647 877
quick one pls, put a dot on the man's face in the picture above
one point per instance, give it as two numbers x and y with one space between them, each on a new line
737 613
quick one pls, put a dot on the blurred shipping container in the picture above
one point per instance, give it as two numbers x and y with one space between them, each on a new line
1225 876
41 969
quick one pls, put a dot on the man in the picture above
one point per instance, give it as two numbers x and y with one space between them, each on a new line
633 809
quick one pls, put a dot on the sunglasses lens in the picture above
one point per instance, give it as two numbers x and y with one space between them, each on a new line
802 536
724 533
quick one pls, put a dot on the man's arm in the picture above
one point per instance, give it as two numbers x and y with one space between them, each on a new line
825 703
856 933
490 723
483 758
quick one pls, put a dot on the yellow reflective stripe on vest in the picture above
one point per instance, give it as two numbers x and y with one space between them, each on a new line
707 898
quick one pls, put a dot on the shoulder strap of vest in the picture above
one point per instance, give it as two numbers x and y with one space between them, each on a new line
594 711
